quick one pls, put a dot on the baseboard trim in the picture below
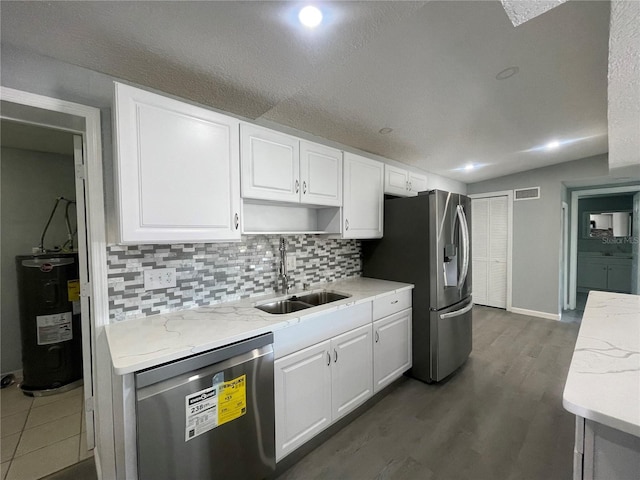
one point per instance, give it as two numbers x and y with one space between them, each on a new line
535 313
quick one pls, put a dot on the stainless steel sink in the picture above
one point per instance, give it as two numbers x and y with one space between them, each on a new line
283 306
320 298
297 303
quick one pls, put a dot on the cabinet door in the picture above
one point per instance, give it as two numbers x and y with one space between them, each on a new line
320 174
592 273
396 181
270 164
302 396
363 197
177 170
391 348
417 183
619 277
351 371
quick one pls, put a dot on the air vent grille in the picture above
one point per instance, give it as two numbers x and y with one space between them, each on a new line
530 193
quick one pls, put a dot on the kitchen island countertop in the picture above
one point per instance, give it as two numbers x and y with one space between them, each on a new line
149 341
603 383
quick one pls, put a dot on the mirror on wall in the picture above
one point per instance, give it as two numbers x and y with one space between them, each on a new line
607 224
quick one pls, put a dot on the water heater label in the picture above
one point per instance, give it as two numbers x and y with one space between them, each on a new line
73 290
54 328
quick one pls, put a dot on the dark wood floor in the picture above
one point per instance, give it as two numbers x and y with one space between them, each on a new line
499 418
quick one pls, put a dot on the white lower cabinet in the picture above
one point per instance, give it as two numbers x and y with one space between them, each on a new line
319 384
604 453
351 370
391 348
302 396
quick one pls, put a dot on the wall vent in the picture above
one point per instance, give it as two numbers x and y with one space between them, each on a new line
530 193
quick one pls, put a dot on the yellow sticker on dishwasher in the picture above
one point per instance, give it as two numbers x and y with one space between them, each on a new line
73 290
232 399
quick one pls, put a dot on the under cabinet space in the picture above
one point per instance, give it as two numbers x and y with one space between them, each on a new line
264 218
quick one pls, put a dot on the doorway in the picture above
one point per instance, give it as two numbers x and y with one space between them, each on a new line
44 425
609 267
84 121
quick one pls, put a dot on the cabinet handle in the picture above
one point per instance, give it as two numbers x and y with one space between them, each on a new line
394 302
297 186
328 359
410 186
304 187
377 337
335 355
406 185
346 224
236 220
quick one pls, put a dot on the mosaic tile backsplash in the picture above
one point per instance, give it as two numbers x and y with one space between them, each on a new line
221 272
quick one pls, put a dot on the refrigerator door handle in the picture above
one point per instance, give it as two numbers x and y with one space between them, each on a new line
464 229
457 313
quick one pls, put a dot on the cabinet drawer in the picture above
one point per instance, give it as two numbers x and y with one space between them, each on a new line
390 304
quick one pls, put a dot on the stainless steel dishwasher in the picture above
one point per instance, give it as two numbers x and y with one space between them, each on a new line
209 416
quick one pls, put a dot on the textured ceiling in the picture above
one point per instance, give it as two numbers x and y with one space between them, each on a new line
425 69
624 89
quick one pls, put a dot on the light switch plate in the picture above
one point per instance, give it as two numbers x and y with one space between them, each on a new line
159 278
291 262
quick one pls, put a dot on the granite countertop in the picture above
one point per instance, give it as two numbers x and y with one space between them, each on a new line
603 383
149 341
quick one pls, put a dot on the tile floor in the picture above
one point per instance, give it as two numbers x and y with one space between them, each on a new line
41 435
575 316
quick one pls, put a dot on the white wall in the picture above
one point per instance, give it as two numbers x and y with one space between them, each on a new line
537 229
30 183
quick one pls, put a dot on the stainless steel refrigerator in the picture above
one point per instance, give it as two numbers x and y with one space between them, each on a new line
427 242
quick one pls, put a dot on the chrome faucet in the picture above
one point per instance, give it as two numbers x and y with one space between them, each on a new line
283 277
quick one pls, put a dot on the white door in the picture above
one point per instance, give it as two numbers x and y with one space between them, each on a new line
320 174
270 164
85 312
352 373
489 236
391 348
363 198
177 170
396 181
302 396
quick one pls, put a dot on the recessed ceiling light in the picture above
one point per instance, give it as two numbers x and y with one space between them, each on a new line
507 73
469 167
385 130
310 16
553 145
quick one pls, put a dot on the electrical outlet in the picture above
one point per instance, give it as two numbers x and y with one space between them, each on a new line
159 278
291 262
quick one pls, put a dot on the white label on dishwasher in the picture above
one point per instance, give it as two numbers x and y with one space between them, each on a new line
202 412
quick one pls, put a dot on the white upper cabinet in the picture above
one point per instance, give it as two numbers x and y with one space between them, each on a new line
396 181
321 174
270 164
363 197
282 168
417 183
177 168
402 183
